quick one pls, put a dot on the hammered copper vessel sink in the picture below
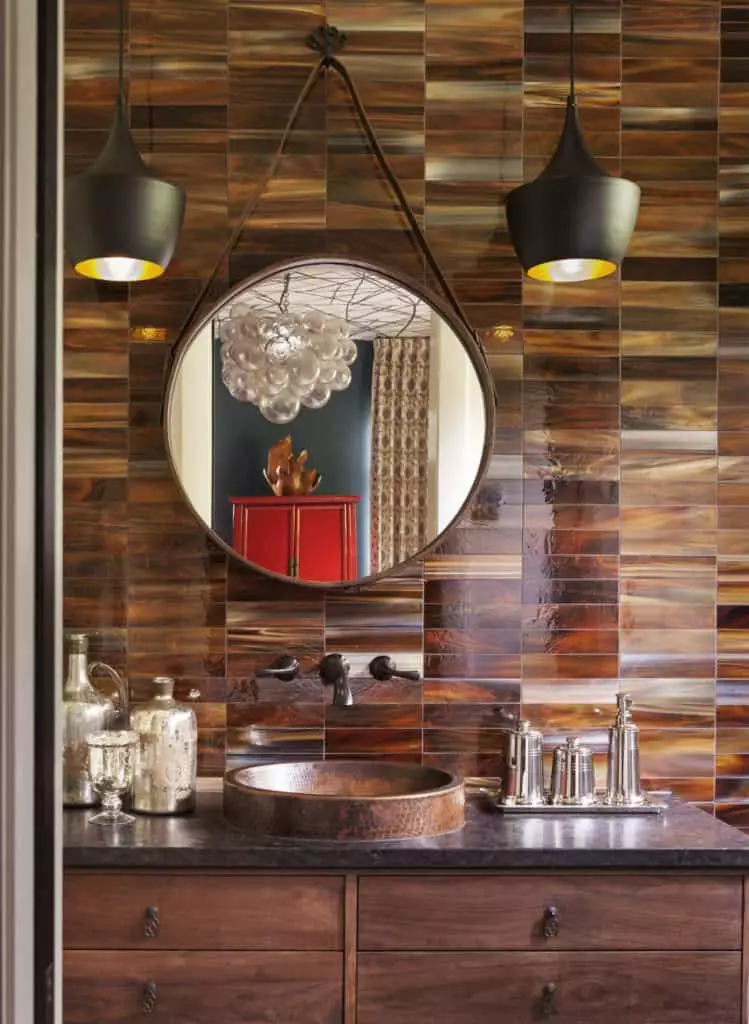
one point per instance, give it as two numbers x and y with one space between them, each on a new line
344 800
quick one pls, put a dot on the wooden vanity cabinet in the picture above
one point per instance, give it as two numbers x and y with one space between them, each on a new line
202 948
403 948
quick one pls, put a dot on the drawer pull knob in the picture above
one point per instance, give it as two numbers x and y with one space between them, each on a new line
549 1000
151 923
148 1001
551 923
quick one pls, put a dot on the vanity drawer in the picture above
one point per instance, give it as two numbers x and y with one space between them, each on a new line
636 911
202 988
163 911
568 988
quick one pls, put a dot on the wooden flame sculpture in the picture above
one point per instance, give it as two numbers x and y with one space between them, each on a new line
286 475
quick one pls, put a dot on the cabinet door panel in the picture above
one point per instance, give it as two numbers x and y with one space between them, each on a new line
590 912
202 988
264 536
322 544
525 988
116 911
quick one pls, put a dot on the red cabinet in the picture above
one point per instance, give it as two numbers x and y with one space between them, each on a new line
311 537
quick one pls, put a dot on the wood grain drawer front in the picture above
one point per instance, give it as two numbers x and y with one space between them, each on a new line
550 912
567 988
159 911
202 988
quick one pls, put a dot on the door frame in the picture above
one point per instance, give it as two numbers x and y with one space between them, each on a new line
30 854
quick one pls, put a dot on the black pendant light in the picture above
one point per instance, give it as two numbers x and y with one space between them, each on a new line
121 223
575 221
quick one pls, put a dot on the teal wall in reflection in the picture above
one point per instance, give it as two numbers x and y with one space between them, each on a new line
337 437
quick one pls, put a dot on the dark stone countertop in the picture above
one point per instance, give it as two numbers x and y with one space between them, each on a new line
681 837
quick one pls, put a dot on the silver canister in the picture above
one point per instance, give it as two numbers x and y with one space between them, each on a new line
165 768
572 775
525 771
84 711
623 784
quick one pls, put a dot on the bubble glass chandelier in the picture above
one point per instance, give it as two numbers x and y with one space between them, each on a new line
281 363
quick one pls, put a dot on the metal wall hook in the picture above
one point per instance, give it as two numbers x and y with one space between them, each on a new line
286 667
327 40
382 668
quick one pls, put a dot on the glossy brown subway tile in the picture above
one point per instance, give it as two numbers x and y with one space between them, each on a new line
373 741
177 603
92 603
548 618
270 743
608 546
673 531
565 641
645 612
472 666
374 716
681 753
451 715
732 742
472 739
272 715
197 651
479 764
471 691
674 703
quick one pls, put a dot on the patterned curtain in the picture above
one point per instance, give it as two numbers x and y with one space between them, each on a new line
400 426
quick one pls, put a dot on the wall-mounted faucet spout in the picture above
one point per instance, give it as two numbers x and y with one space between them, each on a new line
334 669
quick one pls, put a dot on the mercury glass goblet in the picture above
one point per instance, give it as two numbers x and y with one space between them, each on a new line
110 768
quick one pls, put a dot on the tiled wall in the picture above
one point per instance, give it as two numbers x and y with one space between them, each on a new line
612 549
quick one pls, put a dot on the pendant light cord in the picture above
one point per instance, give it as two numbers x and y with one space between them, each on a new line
121 57
572 97
327 61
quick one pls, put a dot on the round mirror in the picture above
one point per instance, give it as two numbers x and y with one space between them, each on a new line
328 421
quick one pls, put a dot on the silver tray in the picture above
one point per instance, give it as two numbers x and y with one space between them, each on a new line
649 807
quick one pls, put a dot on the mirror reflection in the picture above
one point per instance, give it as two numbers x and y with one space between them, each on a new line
326 422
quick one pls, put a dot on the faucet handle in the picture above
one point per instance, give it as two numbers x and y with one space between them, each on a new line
383 668
286 667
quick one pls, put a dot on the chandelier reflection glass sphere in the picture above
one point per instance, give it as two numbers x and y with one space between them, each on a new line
283 362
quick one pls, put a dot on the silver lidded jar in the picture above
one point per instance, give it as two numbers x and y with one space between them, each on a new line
84 710
572 775
524 784
623 784
166 753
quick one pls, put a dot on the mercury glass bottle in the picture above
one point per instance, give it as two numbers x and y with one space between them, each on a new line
166 753
84 711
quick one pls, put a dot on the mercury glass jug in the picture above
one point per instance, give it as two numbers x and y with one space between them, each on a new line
166 753
84 711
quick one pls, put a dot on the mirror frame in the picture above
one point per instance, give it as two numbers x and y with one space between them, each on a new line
470 344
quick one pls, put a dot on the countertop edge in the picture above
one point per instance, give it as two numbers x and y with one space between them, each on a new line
373 860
